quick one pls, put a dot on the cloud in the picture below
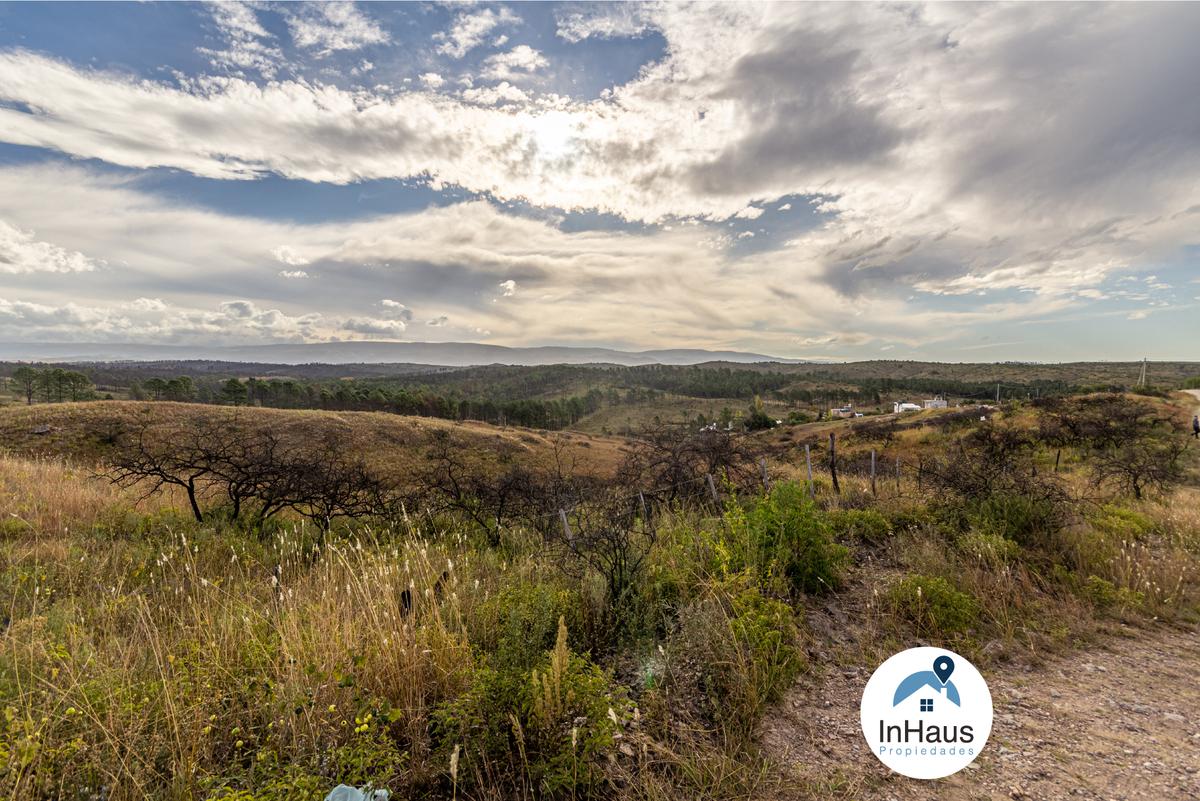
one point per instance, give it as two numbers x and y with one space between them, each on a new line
375 327
21 252
331 26
289 256
471 29
152 320
508 288
395 310
293 274
438 322
432 80
248 43
605 21
821 340
504 92
521 61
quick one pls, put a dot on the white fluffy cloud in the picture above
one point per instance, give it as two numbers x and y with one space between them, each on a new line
503 92
248 45
470 29
152 320
22 252
606 21
432 80
521 61
331 26
288 256
554 286
375 327
937 166
394 310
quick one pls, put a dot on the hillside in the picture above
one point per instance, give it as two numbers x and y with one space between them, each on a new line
83 431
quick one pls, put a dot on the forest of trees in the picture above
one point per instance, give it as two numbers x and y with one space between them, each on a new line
51 384
367 395
550 396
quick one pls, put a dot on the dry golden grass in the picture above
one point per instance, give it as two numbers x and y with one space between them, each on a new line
394 443
157 657
148 665
48 497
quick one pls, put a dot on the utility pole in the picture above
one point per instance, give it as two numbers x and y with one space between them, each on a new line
997 393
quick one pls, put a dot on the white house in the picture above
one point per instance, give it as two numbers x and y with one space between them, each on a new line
904 406
936 403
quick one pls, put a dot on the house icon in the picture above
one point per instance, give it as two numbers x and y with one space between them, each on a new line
927 686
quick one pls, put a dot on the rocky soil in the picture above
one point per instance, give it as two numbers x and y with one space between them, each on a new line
1117 721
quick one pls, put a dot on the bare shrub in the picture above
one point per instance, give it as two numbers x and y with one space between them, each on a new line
674 460
249 467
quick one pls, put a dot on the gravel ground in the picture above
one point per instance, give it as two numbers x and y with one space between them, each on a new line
1117 721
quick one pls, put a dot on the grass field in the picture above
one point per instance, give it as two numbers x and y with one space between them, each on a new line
146 654
81 432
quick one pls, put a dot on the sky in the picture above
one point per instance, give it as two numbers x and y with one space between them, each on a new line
957 182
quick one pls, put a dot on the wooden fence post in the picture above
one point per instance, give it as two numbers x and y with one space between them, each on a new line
873 471
812 490
712 487
833 463
766 481
566 527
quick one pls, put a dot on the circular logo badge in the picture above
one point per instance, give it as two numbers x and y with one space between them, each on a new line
926 713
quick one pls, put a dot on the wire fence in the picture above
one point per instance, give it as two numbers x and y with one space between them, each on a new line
883 471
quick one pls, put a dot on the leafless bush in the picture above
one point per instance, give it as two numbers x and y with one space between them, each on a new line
992 477
1132 444
493 497
674 460
250 467
611 534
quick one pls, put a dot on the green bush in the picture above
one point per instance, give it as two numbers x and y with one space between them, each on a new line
550 728
992 550
736 651
933 606
786 537
909 518
1105 595
1025 519
1120 523
519 624
864 525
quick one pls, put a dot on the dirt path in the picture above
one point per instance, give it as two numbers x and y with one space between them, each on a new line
1114 722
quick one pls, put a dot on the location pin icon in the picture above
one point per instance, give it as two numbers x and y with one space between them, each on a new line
943 666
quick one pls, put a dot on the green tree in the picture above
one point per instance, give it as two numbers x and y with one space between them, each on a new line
233 392
27 381
758 419
77 385
180 389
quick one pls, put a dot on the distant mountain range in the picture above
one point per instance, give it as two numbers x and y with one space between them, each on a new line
448 354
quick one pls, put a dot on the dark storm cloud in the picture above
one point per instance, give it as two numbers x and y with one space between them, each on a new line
807 116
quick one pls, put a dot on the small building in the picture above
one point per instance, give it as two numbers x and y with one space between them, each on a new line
843 412
936 403
904 406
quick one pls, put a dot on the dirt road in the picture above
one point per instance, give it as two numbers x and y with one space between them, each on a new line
1115 722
